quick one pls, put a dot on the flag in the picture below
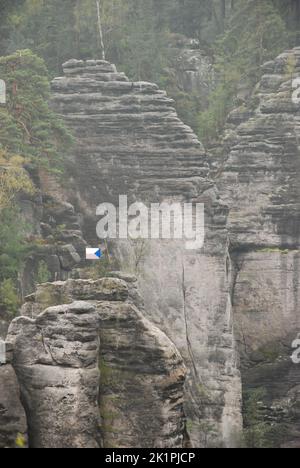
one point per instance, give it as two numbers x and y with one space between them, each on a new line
93 254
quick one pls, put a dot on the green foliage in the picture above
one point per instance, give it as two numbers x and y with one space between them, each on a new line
7 8
208 432
12 246
46 27
100 268
30 134
211 120
137 37
290 12
134 36
9 299
14 180
188 105
58 231
13 251
43 273
275 250
20 441
256 34
28 126
56 30
256 430
134 30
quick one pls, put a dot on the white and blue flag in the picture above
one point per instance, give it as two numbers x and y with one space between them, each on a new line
93 254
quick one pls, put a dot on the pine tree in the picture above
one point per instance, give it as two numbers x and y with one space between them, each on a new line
27 125
136 36
30 134
14 180
256 34
7 7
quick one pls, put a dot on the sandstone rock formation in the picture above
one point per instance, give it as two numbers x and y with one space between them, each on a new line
56 361
54 231
13 426
231 308
192 68
259 180
94 372
88 348
130 141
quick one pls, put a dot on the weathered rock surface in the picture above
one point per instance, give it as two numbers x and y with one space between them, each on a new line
94 372
13 426
229 307
131 141
260 179
142 380
192 68
58 238
53 228
56 361
260 183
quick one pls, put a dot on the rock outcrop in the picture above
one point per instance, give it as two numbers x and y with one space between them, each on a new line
94 372
129 138
191 68
259 181
130 141
13 426
56 361
55 234
54 230
90 349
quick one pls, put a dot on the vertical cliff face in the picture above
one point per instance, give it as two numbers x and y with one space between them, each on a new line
90 350
54 232
55 358
191 68
94 372
260 179
130 141
260 182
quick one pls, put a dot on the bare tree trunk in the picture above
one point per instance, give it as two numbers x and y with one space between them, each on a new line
100 30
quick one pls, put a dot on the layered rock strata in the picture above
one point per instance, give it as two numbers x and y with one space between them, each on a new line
259 181
94 372
130 141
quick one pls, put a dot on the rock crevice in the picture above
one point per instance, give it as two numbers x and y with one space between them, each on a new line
260 183
130 141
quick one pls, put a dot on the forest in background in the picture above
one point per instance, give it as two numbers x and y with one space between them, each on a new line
238 35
